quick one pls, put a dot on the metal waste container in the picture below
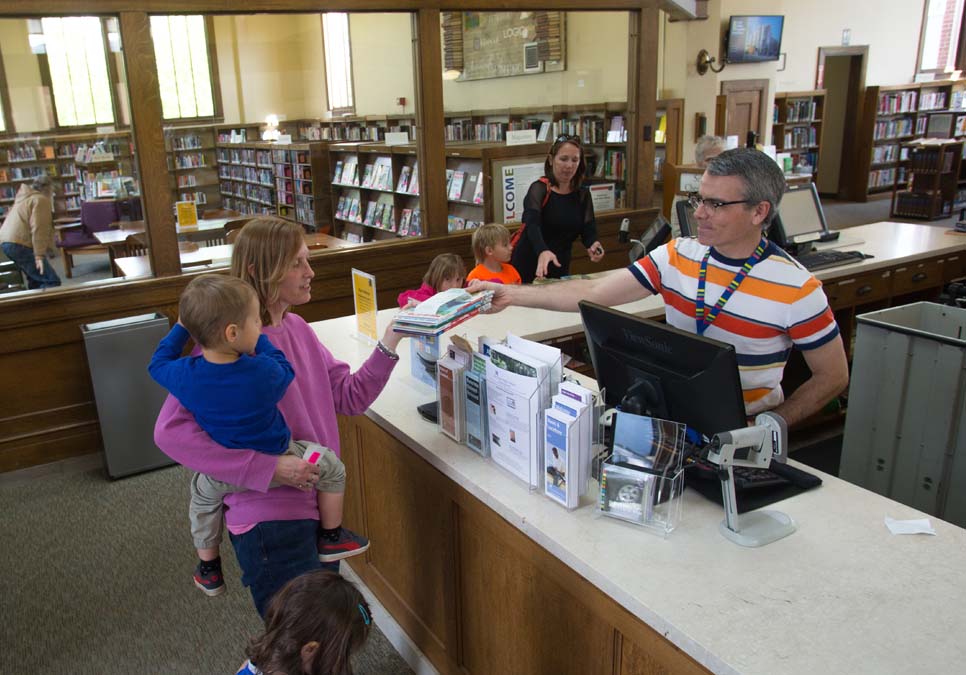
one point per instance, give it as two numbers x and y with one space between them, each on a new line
905 431
128 400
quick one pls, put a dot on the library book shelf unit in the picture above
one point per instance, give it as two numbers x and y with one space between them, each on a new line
360 128
797 129
376 187
286 180
931 180
192 165
23 159
891 116
601 128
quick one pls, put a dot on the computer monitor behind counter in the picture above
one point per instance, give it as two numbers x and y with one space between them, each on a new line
649 368
800 219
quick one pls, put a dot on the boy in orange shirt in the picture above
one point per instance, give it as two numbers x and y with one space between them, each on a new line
491 247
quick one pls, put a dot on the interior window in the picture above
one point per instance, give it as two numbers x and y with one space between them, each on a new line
75 56
940 39
184 75
338 62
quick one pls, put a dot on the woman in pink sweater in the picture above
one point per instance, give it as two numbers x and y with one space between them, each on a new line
275 530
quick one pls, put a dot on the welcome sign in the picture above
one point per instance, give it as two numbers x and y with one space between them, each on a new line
514 183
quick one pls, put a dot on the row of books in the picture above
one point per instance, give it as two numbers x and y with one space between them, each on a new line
800 137
196 197
614 165
457 180
456 224
186 180
256 193
28 152
930 160
892 129
233 136
16 173
247 208
885 177
888 153
190 160
932 100
191 142
920 205
898 102
801 110
246 174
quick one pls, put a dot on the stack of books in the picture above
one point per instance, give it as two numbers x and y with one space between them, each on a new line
441 312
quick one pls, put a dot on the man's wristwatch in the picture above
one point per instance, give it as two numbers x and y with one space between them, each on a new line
388 352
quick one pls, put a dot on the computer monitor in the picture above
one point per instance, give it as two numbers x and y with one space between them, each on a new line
800 218
649 368
689 228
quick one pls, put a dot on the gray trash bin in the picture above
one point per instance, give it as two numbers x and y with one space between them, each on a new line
128 400
905 431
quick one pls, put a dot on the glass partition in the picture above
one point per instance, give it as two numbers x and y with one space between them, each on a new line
515 81
69 122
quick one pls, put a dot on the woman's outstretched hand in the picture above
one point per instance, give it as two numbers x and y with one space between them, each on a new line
543 263
595 252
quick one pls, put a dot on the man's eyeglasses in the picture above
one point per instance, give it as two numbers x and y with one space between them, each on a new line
567 138
695 201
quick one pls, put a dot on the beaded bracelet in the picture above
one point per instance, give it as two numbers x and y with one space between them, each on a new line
388 352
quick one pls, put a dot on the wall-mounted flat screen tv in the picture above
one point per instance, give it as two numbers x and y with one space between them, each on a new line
752 39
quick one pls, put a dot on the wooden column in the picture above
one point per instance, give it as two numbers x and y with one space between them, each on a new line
641 109
430 140
142 78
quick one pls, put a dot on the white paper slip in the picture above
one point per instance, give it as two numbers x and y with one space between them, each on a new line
916 526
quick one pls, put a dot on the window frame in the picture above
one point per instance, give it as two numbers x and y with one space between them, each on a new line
112 76
5 107
218 114
957 41
349 110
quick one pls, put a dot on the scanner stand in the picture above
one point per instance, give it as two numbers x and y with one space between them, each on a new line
754 447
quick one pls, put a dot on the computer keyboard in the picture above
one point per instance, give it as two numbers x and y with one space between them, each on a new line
746 478
820 260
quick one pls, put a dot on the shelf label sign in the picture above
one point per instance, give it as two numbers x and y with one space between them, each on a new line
364 294
521 137
514 183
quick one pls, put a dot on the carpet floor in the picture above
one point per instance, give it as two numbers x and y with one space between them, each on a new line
95 577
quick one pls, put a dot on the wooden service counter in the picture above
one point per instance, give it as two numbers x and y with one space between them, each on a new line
487 577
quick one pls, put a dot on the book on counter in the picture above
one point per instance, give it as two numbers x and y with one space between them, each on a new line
449 373
441 312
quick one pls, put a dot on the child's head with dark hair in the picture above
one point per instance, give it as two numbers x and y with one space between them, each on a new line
489 236
446 271
312 626
210 303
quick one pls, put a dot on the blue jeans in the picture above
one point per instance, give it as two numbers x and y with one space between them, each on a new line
23 257
273 553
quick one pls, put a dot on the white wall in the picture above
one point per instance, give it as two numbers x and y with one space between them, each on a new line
382 62
28 100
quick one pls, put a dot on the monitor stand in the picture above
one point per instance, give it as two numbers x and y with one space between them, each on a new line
765 441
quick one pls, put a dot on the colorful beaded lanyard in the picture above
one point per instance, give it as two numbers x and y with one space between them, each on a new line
703 322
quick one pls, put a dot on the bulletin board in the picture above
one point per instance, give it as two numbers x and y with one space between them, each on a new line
483 45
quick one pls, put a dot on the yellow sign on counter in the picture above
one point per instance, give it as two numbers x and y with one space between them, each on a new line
187 214
364 295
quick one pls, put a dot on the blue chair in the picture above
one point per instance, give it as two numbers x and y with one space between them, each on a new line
97 215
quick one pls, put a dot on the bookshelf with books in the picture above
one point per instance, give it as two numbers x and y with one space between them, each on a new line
22 159
797 129
491 125
192 165
246 177
363 183
892 115
928 184
372 128
301 175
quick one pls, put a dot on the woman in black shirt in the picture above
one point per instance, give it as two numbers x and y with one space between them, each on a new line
556 211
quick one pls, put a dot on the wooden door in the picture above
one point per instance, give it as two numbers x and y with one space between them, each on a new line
745 108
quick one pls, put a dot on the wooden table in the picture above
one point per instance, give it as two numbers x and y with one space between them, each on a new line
217 256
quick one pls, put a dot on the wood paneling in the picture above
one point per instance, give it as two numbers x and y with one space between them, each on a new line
42 356
145 95
474 593
641 107
430 139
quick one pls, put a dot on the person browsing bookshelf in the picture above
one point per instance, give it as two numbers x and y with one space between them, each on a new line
491 248
27 234
730 284
275 531
446 271
557 210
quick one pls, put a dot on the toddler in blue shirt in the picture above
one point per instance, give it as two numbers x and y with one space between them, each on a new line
233 388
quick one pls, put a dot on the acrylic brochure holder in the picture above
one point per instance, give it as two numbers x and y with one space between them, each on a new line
641 477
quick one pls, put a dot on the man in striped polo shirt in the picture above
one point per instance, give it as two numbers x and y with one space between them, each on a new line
730 284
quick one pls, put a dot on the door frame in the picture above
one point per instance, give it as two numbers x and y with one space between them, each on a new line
854 103
764 110
851 50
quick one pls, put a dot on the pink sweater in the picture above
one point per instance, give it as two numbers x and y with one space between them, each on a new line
322 388
424 292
